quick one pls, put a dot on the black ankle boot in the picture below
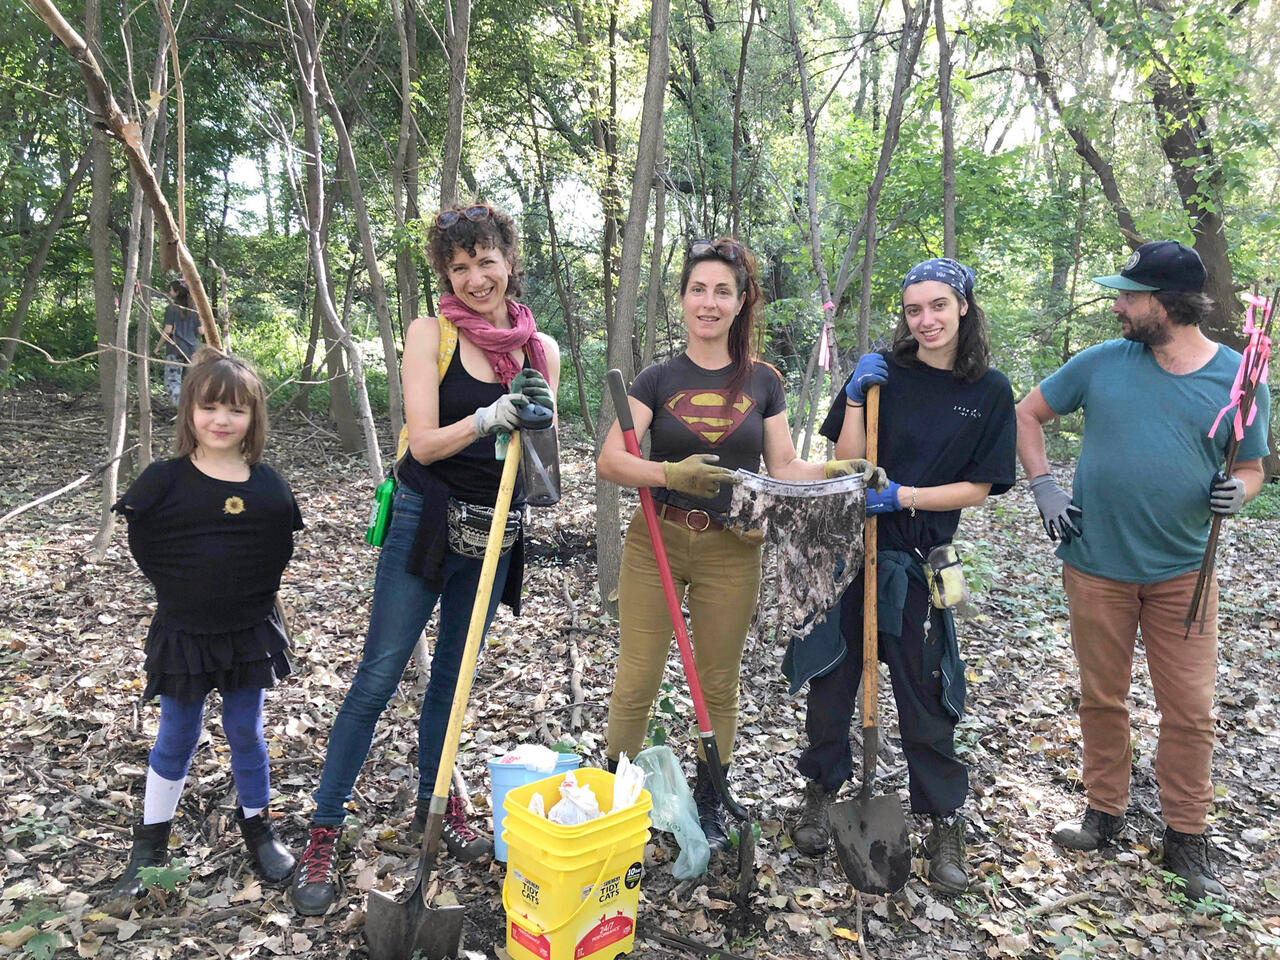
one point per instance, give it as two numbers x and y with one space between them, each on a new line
150 849
272 858
710 810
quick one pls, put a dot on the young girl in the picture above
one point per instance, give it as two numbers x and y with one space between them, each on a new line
946 440
212 529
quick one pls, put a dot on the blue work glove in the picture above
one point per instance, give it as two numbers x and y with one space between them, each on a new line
1226 494
871 369
883 501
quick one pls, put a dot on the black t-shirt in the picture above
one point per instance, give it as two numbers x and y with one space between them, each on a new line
935 429
214 549
690 416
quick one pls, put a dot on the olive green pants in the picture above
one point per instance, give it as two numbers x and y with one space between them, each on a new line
721 574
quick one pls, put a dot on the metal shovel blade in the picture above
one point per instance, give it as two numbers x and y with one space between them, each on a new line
396 930
871 842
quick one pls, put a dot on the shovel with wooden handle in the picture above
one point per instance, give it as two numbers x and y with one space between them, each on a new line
870 832
411 927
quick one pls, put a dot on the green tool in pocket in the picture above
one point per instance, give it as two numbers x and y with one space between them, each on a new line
380 512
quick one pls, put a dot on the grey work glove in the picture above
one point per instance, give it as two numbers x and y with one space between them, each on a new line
501 416
533 385
696 475
1226 494
1061 517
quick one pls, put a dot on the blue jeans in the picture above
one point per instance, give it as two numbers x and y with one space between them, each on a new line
181 723
402 605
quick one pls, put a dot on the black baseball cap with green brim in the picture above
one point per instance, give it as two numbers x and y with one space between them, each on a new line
1159 265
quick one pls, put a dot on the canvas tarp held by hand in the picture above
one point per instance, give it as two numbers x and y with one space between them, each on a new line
812 525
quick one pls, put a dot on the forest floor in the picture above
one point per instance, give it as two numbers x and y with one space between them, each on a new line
75 741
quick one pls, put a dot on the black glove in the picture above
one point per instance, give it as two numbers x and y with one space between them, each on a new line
1061 517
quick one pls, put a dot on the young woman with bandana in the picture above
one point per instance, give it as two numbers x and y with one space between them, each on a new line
947 437
711 408
500 362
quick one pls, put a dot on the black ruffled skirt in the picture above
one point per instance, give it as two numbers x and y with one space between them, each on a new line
186 666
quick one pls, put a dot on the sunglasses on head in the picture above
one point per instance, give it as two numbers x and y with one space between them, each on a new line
475 213
725 249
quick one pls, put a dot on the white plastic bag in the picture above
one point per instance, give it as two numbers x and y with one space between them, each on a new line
628 781
577 804
536 757
537 806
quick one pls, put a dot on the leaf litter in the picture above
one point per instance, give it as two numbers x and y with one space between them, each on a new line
76 740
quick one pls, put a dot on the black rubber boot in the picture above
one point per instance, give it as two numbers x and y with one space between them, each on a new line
1095 829
272 858
150 849
812 832
1187 855
711 814
611 764
315 884
945 849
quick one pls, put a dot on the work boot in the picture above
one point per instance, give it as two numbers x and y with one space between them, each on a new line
1187 855
462 840
944 846
711 816
150 849
812 832
270 856
315 881
1095 829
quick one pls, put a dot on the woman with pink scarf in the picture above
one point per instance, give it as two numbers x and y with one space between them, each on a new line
447 484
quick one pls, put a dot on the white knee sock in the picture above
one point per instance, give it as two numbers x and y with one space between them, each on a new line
161 798
251 812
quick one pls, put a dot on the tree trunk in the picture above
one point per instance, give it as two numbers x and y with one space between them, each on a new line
306 49
908 50
100 230
622 331
653 295
948 136
735 199
457 35
404 170
378 290
31 275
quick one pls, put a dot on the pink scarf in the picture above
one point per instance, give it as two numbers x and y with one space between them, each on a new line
499 344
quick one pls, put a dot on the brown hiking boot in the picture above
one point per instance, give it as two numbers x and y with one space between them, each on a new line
812 832
1095 829
944 847
464 842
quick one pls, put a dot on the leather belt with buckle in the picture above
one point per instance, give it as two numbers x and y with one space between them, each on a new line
698 521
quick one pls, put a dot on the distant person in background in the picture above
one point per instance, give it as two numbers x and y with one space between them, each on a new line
180 336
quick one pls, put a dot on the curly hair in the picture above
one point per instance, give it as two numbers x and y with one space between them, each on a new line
743 346
1184 307
497 230
217 377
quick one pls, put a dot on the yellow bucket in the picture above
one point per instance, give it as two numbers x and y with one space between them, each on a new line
571 893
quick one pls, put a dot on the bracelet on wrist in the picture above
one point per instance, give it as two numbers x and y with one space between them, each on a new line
912 505
851 403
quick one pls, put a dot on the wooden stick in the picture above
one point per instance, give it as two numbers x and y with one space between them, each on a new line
66 489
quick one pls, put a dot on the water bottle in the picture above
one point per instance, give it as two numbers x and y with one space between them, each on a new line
380 512
539 456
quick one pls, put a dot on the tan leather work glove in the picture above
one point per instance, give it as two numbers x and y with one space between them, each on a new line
872 475
696 475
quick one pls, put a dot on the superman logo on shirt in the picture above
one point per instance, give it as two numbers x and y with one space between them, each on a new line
706 414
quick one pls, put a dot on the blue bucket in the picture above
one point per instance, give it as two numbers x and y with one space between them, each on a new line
505 777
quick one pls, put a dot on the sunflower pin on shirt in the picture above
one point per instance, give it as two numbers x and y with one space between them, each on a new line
233 506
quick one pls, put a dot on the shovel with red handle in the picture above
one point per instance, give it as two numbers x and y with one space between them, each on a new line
746 834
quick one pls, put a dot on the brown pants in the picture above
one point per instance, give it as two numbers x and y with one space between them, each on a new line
722 575
1105 617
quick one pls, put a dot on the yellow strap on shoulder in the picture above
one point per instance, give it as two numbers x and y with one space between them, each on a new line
444 356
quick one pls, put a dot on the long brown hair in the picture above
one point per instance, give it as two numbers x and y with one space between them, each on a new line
744 347
217 377
973 345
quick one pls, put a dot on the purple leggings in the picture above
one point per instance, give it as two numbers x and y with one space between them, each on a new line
180 726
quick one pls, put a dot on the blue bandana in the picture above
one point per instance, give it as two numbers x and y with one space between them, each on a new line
945 270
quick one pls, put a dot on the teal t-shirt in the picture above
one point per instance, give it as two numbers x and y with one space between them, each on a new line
1146 458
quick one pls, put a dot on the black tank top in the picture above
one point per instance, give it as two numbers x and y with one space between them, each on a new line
472 474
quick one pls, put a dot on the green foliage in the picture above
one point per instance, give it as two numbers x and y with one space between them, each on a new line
166 878
1265 506
664 715
43 944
